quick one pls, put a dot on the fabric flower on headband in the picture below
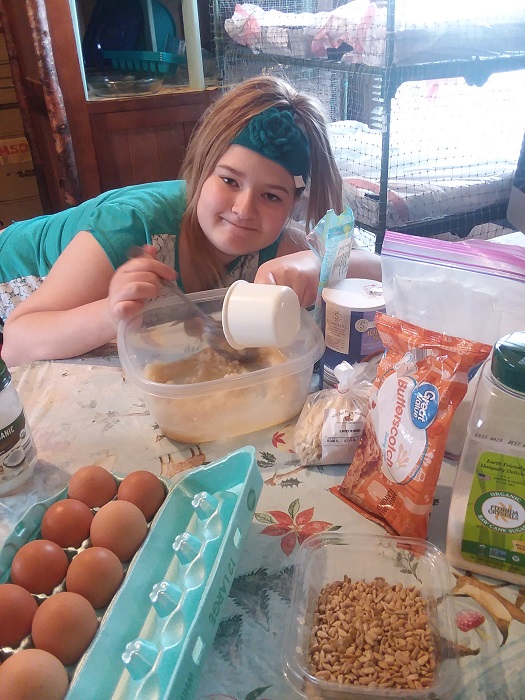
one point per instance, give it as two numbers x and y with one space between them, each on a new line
274 134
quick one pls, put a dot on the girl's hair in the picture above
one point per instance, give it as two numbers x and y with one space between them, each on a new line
226 117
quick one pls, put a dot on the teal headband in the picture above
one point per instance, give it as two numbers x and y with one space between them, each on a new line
274 134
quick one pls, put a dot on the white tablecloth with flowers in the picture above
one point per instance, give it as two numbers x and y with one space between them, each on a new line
84 411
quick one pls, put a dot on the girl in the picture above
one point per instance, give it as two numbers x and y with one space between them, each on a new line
65 281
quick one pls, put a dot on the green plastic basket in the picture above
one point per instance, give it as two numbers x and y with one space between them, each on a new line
147 61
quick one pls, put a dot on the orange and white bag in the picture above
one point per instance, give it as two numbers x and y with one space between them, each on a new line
420 381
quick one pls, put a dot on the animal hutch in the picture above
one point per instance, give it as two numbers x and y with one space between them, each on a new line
425 99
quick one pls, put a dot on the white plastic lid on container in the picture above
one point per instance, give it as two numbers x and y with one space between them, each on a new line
260 315
355 294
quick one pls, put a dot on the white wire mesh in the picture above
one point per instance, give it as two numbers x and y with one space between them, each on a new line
419 148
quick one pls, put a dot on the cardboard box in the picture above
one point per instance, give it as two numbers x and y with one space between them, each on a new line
5 72
3 48
17 177
19 210
17 181
11 122
7 93
14 150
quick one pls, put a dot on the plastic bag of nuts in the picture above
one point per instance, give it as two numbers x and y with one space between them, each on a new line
331 422
371 617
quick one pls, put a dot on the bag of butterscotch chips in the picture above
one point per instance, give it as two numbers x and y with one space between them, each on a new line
420 381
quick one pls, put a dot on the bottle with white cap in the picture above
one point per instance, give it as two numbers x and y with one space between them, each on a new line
17 449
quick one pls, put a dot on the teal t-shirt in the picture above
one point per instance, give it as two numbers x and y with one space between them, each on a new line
118 219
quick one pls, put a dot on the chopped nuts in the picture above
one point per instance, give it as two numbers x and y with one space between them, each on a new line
372 634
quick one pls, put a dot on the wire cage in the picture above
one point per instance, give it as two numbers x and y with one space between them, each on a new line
425 103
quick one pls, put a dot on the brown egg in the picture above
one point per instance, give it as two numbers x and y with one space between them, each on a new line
120 527
143 489
93 485
17 609
67 523
39 566
64 625
95 573
33 674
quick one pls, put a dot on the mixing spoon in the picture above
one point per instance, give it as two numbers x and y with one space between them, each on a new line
211 328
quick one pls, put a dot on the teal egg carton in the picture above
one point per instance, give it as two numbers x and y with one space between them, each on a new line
155 633
147 61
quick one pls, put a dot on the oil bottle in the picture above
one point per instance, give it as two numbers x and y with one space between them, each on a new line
17 449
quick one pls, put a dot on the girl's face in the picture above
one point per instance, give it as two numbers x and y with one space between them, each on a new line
244 203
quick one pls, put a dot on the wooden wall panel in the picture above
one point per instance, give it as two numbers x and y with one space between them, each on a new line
144 153
142 145
172 146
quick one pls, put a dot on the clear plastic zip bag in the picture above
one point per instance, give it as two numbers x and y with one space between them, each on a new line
329 427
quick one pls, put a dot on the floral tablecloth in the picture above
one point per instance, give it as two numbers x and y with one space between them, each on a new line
84 411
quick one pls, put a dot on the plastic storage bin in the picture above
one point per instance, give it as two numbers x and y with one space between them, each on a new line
148 61
221 408
329 557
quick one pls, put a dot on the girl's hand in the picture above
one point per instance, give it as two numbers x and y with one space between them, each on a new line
300 271
135 282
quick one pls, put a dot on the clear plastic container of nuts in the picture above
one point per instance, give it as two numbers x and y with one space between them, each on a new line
371 617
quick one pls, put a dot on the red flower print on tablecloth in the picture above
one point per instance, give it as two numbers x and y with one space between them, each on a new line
293 526
277 439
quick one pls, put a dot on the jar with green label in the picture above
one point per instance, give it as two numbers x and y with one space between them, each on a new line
17 449
486 525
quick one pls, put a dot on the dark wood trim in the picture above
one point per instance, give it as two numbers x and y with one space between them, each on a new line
70 79
69 184
178 98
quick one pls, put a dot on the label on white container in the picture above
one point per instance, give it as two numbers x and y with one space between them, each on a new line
494 529
350 332
17 454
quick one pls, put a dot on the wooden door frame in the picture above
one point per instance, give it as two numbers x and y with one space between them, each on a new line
72 158
60 87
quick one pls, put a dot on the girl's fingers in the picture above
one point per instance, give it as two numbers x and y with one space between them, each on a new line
290 277
264 276
149 265
150 250
124 309
137 290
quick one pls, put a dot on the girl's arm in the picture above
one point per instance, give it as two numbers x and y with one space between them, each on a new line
295 266
79 304
300 271
298 267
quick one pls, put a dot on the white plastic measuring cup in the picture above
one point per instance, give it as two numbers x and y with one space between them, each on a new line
260 315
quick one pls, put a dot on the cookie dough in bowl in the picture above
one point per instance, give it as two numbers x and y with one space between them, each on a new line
194 394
